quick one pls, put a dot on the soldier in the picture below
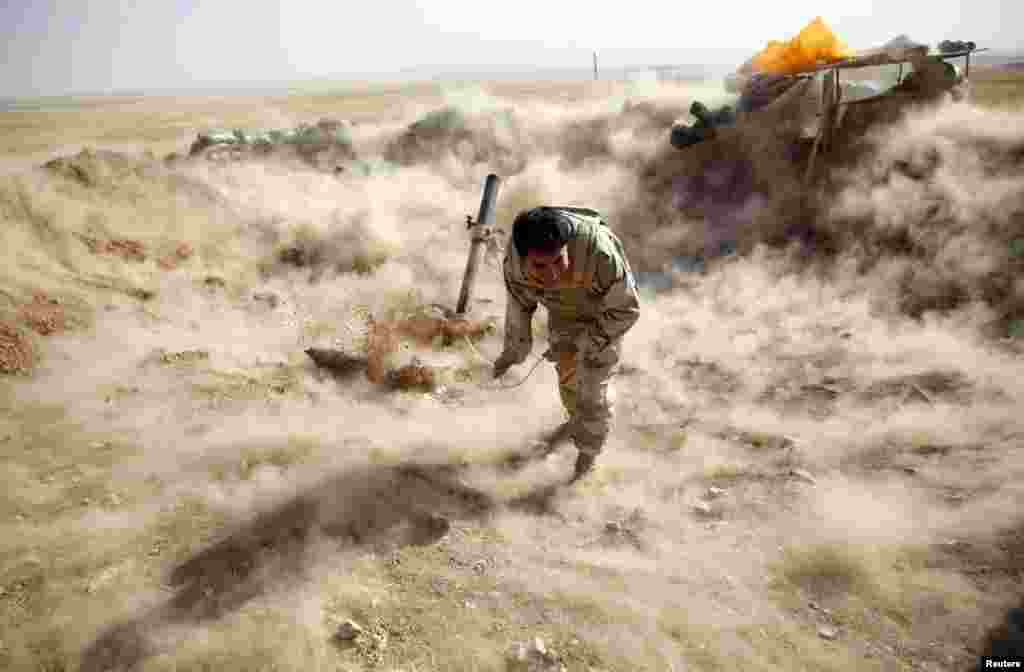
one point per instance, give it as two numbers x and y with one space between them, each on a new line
568 260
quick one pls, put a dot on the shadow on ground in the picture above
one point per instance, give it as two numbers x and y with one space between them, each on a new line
370 507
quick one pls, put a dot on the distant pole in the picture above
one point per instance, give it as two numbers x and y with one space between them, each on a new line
595 66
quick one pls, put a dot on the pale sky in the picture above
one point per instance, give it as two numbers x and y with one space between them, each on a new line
59 46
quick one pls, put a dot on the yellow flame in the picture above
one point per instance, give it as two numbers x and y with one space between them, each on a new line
815 45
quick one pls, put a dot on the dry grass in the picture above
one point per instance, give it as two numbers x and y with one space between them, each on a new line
893 595
296 451
999 89
271 382
171 124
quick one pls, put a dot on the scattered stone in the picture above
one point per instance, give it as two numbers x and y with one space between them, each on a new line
714 492
828 632
438 525
533 657
704 509
480 566
909 470
269 298
439 585
141 294
348 631
613 527
215 282
99 445
336 361
803 475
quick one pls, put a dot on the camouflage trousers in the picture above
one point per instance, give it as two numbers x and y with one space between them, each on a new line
585 386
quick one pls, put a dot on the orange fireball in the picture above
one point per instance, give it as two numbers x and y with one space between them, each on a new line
815 45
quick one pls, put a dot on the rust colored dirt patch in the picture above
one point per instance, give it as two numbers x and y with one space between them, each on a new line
44 315
16 353
413 376
385 336
426 329
182 253
382 342
127 249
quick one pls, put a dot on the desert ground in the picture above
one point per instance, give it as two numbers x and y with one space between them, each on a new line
818 453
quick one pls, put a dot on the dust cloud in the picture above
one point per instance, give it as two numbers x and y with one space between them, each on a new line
857 338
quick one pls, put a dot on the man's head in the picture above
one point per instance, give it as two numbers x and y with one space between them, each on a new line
540 236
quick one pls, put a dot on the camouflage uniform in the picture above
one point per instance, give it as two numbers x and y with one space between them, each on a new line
590 309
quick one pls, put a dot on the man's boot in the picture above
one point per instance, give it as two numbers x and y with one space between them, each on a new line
584 465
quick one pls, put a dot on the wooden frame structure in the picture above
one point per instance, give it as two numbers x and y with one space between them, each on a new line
833 107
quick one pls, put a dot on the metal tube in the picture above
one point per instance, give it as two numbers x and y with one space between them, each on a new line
479 229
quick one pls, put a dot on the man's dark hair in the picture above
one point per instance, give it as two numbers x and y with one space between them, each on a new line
542 229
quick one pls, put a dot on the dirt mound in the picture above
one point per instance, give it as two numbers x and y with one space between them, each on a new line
101 168
379 509
930 199
744 187
130 177
495 138
324 145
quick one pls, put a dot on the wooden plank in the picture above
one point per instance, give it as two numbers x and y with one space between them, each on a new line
828 89
882 58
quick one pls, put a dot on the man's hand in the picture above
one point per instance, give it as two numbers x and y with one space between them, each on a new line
502 364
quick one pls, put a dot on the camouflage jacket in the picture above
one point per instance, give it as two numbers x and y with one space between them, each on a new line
597 296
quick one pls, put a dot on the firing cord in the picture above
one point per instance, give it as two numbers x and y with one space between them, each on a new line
490 363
